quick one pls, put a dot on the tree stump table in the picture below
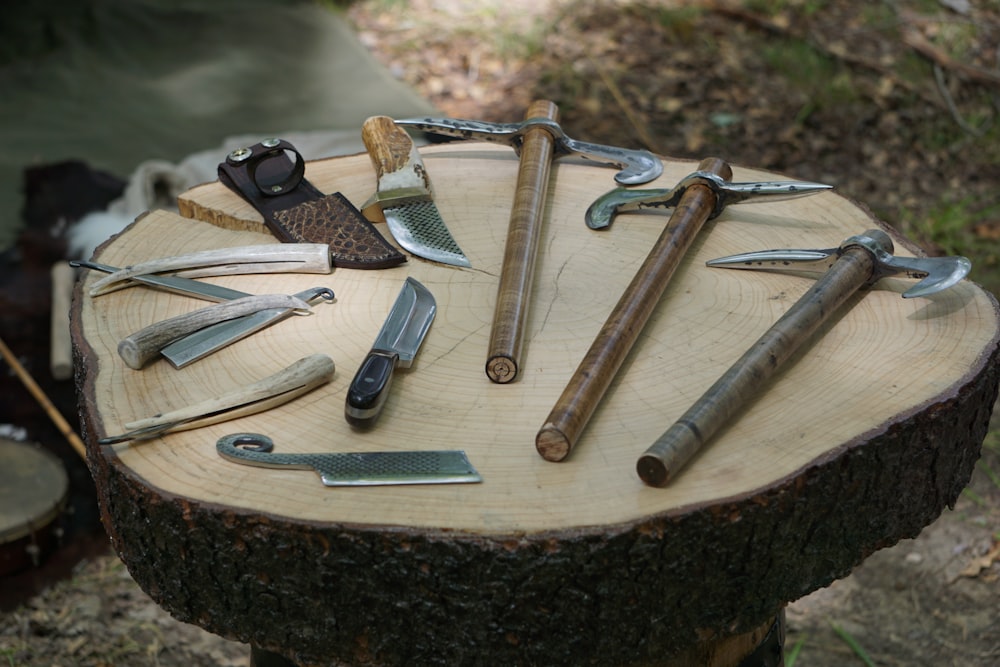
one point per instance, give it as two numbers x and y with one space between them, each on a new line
862 442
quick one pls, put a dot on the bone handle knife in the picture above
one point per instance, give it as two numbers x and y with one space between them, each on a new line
141 346
287 384
398 166
266 258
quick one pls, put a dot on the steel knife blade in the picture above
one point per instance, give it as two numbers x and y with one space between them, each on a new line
396 345
201 343
175 284
403 194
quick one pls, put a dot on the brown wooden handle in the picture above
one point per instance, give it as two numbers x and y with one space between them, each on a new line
660 463
517 272
141 346
60 346
588 384
393 154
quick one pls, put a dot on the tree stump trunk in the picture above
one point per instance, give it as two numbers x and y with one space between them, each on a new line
862 442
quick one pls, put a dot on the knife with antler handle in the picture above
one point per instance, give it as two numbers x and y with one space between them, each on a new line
209 339
140 347
403 195
267 258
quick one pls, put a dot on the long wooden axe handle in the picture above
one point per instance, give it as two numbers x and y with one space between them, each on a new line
659 464
523 231
590 381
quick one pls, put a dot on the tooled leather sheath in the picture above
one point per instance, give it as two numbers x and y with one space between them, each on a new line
296 212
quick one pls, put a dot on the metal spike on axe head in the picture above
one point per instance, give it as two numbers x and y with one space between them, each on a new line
696 199
602 211
859 261
637 166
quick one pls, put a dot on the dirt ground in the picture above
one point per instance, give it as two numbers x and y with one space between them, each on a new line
895 103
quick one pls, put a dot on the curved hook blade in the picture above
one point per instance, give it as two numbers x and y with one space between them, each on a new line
939 273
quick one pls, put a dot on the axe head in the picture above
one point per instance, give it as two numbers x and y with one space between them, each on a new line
935 273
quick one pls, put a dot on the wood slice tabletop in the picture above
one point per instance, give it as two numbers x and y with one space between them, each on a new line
861 442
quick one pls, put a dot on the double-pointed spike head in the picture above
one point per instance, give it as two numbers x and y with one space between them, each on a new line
936 273
602 211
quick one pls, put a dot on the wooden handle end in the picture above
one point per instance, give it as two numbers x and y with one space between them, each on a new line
542 109
501 368
660 463
716 165
552 443
652 470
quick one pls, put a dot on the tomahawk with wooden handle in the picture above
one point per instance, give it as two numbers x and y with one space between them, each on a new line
517 272
696 199
860 260
538 140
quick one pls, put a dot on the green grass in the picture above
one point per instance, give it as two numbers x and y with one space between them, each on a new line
823 82
950 227
853 643
990 473
792 654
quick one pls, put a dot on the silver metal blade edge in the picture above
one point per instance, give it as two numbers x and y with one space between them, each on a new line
408 321
418 227
204 342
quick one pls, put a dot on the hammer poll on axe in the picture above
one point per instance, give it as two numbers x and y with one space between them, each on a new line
538 140
696 199
859 261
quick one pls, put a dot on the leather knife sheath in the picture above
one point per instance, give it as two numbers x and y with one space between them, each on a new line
296 212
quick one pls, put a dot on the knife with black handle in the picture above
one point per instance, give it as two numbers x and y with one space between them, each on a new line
396 345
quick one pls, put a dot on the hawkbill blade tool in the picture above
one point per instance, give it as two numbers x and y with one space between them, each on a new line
860 261
697 203
293 381
396 345
538 140
403 194
354 468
